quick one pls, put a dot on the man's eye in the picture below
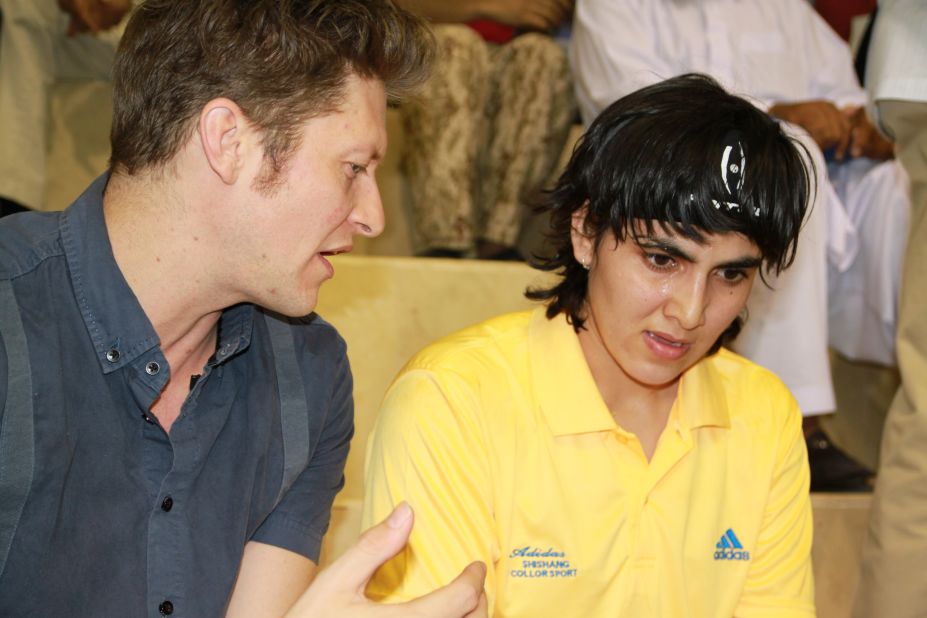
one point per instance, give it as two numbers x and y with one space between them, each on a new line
357 169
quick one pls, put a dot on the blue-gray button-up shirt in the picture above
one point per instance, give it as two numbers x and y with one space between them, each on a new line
122 519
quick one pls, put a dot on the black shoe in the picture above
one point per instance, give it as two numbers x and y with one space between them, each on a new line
9 207
442 252
832 469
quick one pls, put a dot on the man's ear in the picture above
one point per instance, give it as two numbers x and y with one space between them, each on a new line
583 242
222 131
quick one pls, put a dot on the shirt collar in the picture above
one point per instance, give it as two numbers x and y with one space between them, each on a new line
570 399
701 398
566 390
235 327
117 324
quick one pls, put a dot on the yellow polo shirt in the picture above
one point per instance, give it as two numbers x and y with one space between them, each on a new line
498 438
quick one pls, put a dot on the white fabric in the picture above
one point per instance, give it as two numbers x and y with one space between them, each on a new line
34 54
787 326
864 310
768 52
895 67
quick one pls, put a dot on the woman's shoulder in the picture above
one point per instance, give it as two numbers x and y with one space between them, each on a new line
752 392
478 347
742 373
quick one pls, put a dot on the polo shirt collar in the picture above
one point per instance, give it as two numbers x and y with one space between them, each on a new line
115 321
566 390
701 400
570 399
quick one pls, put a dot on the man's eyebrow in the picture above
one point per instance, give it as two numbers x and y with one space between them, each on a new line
371 154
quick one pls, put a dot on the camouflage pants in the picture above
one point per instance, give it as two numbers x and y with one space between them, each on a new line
484 135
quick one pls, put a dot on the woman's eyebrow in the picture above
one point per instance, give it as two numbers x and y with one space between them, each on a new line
667 245
745 262
671 248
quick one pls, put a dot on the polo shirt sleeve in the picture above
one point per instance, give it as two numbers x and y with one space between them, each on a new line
300 520
429 449
780 581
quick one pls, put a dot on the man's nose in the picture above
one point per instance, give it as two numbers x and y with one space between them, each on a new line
367 216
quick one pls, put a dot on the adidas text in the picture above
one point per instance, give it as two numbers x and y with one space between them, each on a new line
732 554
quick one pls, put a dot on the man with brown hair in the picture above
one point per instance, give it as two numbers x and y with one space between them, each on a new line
170 442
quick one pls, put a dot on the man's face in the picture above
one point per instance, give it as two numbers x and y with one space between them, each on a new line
657 304
325 194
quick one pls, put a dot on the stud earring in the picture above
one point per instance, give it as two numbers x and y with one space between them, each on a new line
584 263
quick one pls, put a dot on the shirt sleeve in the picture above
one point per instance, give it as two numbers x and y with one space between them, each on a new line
300 520
4 377
780 582
429 449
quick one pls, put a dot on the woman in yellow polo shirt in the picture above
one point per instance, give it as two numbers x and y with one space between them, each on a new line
605 455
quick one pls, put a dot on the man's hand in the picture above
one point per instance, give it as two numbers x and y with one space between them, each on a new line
828 126
542 15
338 591
865 139
94 15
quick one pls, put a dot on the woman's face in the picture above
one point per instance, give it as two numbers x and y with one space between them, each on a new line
657 304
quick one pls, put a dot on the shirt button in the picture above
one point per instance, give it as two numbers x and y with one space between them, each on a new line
152 368
167 504
113 355
166 608
148 419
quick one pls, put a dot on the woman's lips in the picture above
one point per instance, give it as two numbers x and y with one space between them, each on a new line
666 346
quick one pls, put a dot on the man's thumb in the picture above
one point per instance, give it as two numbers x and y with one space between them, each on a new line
374 547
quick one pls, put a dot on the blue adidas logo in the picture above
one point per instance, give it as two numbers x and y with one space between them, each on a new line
730 547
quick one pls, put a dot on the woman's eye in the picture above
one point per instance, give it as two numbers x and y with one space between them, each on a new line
660 260
733 275
357 169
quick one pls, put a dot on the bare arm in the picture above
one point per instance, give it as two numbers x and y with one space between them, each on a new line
270 581
339 589
273 581
531 14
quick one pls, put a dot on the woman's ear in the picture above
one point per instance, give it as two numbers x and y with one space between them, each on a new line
583 243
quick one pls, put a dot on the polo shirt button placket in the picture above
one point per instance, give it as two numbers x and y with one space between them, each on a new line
166 608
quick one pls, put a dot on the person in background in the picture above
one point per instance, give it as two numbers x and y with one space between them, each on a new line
487 130
170 440
42 42
604 454
895 550
842 292
839 14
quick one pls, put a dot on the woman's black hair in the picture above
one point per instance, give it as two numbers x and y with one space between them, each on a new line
655 155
